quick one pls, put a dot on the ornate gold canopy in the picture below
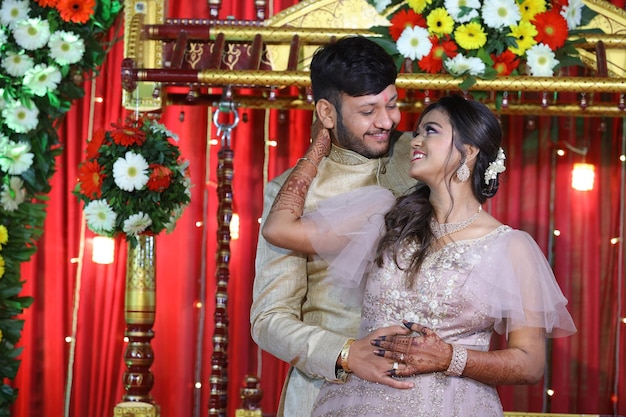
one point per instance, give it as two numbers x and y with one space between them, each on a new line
265 62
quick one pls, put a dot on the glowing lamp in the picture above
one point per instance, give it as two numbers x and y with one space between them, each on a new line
583 176
103 250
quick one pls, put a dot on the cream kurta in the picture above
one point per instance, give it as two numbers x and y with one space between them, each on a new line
301 320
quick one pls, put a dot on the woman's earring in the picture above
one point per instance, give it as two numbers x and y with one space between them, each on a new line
463 172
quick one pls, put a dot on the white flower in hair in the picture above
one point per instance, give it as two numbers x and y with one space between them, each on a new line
496 167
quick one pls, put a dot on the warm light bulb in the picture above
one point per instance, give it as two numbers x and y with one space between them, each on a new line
583 176
103 250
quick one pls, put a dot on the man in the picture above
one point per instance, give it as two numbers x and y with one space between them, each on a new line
296 315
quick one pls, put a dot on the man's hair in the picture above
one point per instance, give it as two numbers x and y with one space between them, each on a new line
354 65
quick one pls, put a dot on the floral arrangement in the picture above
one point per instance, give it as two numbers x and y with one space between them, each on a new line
47 49
483 38
133 180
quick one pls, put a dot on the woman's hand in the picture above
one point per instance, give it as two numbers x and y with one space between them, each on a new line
320 142
418 353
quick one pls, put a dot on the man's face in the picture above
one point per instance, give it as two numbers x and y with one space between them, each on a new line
365 123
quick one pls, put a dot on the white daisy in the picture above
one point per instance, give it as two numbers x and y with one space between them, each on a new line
100 216
4 143
15 157
131 172
13 194
12 11
16 64
3 102
21 118
501 13
3 37
461 64
66 47
541 60
413 43
136 223
42 78
381 5
573 13
462 11
32 33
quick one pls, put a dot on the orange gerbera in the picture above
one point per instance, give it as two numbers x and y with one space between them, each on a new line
405 19
93 146
77 11
90 177
433 62
128 135
505 63
551 29
47 3
160 178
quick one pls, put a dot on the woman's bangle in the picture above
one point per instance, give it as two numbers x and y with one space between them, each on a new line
304 158
458 361
345 351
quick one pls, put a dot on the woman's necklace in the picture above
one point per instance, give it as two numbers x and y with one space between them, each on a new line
441 230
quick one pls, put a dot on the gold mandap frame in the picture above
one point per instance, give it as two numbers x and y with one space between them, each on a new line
268 59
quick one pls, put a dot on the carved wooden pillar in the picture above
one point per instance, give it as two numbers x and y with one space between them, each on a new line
219 360
140 311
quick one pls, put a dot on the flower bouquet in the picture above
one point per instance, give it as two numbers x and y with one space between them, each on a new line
482 38
133 180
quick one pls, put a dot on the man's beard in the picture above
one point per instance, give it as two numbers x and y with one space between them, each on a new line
350 141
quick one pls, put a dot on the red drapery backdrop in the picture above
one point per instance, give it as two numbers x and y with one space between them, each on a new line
75 296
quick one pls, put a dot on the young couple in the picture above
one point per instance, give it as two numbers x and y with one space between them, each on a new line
383 292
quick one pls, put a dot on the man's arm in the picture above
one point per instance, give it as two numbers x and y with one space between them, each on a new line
280 289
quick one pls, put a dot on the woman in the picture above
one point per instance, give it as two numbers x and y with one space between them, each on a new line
446 269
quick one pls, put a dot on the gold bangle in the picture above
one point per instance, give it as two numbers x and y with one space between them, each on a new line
345 351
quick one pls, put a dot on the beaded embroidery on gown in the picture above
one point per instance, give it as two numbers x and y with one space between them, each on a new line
464 292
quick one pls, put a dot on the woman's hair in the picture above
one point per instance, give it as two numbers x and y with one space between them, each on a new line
408 222
354 65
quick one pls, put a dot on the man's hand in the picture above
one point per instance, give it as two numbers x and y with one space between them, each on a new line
365 364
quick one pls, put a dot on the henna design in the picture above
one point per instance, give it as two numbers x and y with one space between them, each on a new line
292 194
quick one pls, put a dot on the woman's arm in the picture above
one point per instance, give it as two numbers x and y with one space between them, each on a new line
283 226
522 362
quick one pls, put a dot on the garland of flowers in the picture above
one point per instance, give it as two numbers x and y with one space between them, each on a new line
483 38
47 48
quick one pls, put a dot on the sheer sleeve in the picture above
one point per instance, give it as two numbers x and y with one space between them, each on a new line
344 231
521 287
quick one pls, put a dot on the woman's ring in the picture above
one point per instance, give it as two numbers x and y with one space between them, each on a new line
395 366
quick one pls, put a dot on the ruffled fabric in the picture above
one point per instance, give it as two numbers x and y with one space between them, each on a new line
516 284
344 231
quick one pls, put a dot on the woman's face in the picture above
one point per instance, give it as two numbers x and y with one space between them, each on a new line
434 157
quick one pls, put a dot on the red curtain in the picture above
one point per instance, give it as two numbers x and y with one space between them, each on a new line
74 296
